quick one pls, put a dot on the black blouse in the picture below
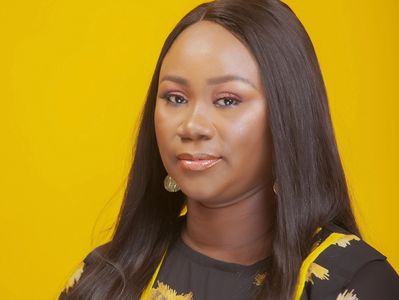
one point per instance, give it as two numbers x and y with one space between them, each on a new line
188 274
349 269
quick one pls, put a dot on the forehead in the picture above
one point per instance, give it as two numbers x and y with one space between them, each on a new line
207 49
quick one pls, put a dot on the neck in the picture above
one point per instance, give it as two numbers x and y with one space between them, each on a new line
240 232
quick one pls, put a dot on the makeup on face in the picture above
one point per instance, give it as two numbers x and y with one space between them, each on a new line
210 115
197 161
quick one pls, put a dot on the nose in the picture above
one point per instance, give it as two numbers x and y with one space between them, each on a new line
196 125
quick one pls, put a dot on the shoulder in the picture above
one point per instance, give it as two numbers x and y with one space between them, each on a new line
347 267
97 254
346 252
375 280
89 261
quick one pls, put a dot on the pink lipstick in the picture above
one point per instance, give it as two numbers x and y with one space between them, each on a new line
198 161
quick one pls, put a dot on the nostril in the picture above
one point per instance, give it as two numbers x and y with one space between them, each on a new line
195 134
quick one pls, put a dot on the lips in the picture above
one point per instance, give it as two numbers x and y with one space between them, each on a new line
196 156
197 161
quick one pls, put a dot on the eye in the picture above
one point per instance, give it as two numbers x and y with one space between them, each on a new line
228 101
173 98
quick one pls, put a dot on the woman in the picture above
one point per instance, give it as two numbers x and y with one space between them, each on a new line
236 129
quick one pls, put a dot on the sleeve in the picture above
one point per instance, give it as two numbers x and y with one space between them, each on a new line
375 280
82 270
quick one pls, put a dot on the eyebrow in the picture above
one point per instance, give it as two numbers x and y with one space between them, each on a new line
210 81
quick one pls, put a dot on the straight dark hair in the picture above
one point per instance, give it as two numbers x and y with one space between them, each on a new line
312 189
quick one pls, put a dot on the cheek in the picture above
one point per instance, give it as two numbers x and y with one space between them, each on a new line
165 127
249 142
161 130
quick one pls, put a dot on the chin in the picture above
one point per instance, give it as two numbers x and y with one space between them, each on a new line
206 197
200 194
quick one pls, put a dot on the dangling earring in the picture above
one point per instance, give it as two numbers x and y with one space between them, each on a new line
170 184
275 188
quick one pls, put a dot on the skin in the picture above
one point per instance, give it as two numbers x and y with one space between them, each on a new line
231 205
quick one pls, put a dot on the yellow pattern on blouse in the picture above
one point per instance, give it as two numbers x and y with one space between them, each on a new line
347 295
164 292
75 276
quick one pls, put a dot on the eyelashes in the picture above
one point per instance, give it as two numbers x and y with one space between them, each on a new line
177 100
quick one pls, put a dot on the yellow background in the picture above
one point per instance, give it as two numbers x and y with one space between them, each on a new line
74 75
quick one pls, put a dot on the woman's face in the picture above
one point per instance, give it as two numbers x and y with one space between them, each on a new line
211 100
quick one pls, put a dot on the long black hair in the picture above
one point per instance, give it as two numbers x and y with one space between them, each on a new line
312 189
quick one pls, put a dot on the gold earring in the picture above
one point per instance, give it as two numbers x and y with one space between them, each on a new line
170 184
275 188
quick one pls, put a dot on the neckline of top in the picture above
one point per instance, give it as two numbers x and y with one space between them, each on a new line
225 266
